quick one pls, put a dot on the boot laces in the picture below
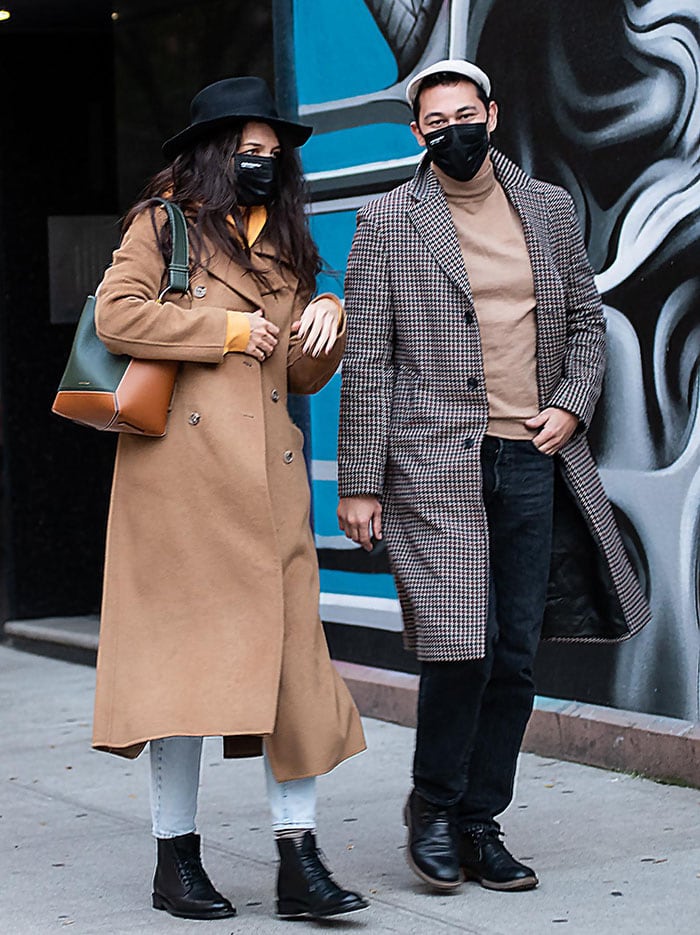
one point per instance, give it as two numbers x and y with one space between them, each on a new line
194 876
316 869
190 868
481 833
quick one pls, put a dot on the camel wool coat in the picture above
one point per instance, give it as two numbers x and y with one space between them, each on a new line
209 622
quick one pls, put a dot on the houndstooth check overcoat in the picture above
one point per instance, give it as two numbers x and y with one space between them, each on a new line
414 410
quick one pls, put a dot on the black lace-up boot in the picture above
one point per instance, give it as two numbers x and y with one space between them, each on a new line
181 885
432 846
305 888
484 857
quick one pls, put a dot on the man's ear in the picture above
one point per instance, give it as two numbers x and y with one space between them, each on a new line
416 132
492 119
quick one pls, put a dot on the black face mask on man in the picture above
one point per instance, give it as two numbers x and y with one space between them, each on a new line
256 179
459 150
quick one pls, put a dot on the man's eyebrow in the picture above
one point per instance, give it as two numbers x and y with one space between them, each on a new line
467 108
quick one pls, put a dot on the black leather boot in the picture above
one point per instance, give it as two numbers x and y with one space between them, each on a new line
432 847
485 858
305 889
181 885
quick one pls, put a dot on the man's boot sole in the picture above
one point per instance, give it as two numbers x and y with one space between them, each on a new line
441 885
510 886
319 916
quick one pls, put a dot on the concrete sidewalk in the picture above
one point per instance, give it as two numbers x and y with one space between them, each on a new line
616 854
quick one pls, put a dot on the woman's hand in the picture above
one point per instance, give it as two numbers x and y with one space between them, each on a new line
318 326
263 335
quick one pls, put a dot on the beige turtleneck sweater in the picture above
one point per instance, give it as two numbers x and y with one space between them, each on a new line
498 265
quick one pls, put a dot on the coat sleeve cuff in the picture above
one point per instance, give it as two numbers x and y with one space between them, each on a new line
576 400
368 484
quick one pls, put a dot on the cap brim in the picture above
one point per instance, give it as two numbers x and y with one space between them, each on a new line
296 133
463 69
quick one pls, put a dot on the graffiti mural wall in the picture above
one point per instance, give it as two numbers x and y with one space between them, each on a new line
600 96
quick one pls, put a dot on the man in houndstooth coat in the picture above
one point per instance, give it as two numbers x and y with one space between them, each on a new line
475 357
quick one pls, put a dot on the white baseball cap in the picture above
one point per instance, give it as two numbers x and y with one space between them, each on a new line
457 66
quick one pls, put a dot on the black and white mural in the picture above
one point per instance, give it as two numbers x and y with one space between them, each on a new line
600 96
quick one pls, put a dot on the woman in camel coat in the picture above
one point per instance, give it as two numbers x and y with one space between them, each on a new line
210 622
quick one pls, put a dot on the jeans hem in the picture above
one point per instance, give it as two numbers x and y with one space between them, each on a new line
169 835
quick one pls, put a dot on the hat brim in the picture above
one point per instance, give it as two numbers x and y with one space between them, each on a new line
296 133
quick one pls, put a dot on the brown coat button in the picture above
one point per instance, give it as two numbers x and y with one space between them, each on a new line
288 457
275 396
194 418
200 292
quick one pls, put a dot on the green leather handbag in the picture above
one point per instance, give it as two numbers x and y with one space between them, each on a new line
114 392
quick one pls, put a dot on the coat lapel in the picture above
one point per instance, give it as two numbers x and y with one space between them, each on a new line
244 283
529 204
548 287
432 219
231 275
279 275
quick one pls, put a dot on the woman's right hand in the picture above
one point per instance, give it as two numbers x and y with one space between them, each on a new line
263 335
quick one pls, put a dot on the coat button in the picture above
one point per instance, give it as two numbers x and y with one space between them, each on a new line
288 457
194 418
472 383
200 292
275 396
468 442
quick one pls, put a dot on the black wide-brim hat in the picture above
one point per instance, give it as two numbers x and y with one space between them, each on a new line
233 101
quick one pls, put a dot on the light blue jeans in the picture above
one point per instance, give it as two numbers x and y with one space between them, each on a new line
175 763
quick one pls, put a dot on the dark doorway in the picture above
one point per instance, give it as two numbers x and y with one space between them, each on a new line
92 90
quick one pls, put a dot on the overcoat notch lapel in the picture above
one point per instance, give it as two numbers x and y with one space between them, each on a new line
278 275
535 231
431 217
547 297
232 276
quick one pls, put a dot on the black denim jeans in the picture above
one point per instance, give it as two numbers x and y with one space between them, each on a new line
472 715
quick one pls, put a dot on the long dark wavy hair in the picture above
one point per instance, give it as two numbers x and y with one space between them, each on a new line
202 182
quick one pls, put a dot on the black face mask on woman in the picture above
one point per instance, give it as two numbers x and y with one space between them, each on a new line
256 179
459 150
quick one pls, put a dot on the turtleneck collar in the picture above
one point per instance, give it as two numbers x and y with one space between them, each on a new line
474 191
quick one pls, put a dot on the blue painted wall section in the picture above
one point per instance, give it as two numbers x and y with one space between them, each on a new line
340 53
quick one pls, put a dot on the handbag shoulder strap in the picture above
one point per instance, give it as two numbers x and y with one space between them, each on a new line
178 268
